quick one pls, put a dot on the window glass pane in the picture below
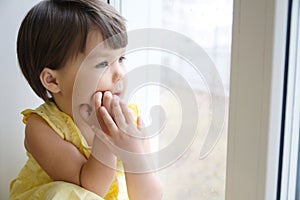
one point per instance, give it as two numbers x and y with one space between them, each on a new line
208 24
290 181
296 121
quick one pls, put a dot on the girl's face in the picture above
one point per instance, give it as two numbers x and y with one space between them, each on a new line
99 68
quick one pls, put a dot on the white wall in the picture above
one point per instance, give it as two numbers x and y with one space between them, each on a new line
16 94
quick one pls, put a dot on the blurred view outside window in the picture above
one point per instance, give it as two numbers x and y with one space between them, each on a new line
209 24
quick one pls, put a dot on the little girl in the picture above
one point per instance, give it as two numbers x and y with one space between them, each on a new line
65 162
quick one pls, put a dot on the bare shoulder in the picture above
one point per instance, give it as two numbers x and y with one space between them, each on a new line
59 158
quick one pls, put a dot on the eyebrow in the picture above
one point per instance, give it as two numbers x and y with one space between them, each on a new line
108 56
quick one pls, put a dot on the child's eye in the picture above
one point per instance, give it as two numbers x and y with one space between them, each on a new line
102 64
122 59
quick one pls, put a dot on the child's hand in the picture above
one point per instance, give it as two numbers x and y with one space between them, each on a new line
125 140
106 102
87 112
121 134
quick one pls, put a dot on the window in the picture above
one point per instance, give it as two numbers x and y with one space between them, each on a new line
256 99
256 95
290 178
203 29
255 103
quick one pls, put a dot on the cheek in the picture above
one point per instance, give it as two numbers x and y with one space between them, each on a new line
68 85
85 85
104 81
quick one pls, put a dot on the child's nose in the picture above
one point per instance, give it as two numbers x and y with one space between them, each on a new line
118 71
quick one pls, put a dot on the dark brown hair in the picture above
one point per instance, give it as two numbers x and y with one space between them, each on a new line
53 31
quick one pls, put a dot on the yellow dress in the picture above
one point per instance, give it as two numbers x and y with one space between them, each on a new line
34 183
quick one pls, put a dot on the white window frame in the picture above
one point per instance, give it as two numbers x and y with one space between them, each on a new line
256 93
257 84
117 4
292 117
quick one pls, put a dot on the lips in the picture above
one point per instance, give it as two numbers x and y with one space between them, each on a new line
116 90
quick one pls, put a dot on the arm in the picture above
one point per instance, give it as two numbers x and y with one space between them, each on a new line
120 130
62 161
145 185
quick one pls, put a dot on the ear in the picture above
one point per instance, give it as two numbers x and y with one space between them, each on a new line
49 80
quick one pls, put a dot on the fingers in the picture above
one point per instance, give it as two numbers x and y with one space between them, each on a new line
98 100
127 114
117 111
112 114
140 123
107 99
108 121
98 104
